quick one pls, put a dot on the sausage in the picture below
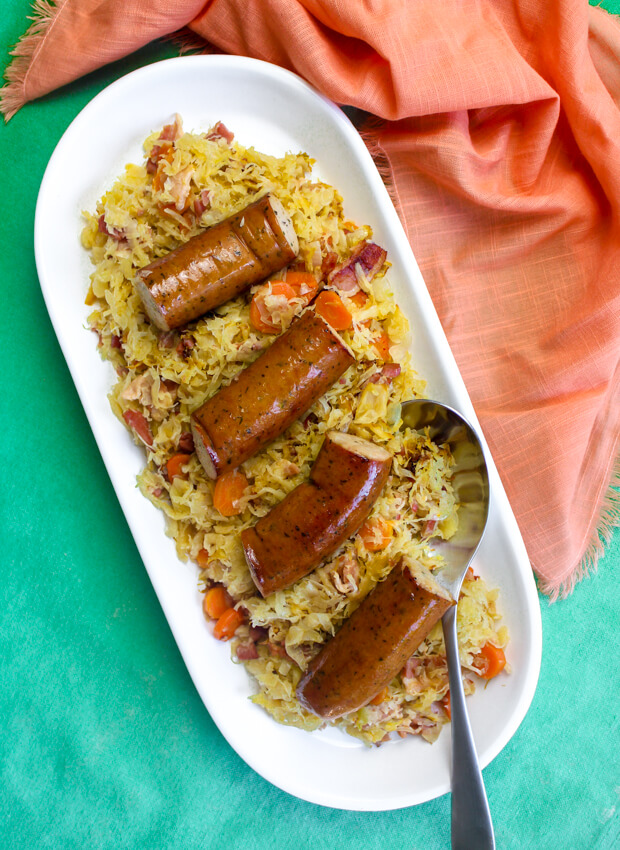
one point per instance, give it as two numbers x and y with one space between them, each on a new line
374 643
270 394
315 518
217 264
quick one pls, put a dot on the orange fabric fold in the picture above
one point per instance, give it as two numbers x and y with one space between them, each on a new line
499 135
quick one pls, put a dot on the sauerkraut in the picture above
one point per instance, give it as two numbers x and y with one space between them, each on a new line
188 181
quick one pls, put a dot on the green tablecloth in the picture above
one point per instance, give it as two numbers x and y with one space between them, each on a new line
104 741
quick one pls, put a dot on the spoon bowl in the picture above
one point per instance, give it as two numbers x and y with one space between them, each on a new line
471 818
469 479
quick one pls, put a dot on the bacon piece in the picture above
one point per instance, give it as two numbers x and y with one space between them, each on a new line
277 650
247 651
220 131
329 263
202 203
310 419
430 527
185 347
137 422
117 233
186 443
172 132
391 370
369 256
169 134
166 339
169 387
258 633
385 375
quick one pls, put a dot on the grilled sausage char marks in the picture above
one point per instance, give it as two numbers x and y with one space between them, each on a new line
373 645
218 264
270 394
315 518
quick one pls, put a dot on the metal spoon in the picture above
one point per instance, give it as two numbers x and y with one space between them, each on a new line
472 828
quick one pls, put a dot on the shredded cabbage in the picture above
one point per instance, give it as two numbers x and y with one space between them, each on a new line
164 376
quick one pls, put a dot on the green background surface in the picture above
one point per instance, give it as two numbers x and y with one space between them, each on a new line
104 741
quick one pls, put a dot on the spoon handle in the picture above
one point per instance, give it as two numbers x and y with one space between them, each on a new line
471 818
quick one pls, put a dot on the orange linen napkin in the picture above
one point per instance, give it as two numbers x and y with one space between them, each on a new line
500 139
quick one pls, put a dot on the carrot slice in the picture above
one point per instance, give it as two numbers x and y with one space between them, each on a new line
260 317
216 601
228 490
382 344
228 623
376 534
490 661
174 466
359 299
257 321
202 559
330 306
304 284
381 697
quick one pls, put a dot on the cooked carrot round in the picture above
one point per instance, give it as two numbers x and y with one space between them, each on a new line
175 464
228 623
382 345
216 601
330 306
304 284
359 298
376 533
381 697
490 661
228 490
202 559
260 316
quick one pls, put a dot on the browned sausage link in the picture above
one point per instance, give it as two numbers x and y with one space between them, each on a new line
374 643
217 264
317 517
269 395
